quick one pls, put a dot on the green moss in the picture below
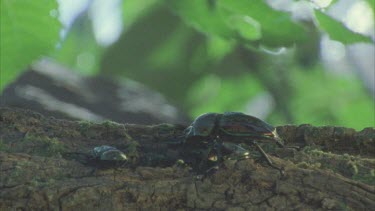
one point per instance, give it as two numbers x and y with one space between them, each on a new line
320 154
132 149
344 207
350 166
17 171
307 165
111 124
165 130
42 182
85 128
3 146
368 178
43 145
84 125
164 127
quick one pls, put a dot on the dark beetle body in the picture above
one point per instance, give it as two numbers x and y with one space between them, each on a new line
230 124
101 157
107 157
223 132
108 153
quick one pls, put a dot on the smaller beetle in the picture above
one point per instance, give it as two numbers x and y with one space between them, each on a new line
108 153
220 131
102 157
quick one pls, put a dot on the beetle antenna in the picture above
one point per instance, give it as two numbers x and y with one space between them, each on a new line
268 159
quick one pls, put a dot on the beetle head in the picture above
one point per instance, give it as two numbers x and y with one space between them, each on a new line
114 155
202 125
275 137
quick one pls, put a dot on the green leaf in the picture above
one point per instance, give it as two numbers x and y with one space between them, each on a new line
79 50
246 27
242 20
168 52
277 28
29 29
371 4
222 94
132 10
337 30
202 16
218 48
337 100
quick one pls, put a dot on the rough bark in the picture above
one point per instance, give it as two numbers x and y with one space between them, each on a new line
334 170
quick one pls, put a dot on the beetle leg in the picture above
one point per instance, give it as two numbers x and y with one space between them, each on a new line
211 170
218 147
205 158
238 157
211 157
290 147
215 151
293 147
281 144
267 158
237 152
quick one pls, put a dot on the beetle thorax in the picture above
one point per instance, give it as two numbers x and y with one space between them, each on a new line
203 126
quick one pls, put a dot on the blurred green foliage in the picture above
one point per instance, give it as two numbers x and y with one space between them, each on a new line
28 29
206 92
79 49
205 55
329 99
242 20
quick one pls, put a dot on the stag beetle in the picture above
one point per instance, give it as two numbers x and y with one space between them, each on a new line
221 131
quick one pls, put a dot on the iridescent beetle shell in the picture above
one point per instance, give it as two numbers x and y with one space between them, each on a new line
232 124
239 124
108 153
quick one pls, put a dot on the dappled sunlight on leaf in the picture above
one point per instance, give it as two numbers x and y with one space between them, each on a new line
337 31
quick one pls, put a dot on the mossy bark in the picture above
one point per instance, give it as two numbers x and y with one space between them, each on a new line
334 170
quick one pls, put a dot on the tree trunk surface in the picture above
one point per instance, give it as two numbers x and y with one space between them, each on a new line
43 167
